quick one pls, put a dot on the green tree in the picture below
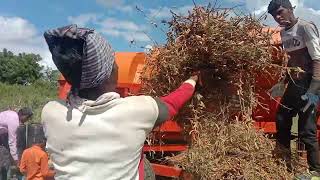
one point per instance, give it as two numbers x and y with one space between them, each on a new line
19 69
51 75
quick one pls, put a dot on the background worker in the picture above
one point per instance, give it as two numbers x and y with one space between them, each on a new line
301 41
34 160
9 123
97 134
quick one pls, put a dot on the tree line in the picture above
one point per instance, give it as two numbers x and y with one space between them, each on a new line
24 69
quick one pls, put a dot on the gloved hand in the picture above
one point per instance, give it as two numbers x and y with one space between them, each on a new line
278 89
312 95
312 100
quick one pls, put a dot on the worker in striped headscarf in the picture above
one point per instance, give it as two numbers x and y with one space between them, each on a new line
97 134
83 57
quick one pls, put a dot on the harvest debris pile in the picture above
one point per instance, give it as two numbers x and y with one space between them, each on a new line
230 52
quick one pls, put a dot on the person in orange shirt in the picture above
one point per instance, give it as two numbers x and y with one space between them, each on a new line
34 161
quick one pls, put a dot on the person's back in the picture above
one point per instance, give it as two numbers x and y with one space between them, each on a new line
9 122
34 164
105 141
8 118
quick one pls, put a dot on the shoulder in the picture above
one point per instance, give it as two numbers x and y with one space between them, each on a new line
26 152
307 25
11 117
303 22
11 113
42 153
142 104
140 100
52 105
51 108
14 114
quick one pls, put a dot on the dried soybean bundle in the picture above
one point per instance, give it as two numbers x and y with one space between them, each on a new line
226 49
230 52
224 150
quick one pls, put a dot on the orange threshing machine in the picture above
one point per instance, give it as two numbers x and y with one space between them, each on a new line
173 140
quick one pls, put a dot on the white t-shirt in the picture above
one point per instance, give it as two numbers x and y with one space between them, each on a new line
302 44
104 142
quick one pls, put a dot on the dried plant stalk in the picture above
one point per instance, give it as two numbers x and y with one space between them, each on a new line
230 52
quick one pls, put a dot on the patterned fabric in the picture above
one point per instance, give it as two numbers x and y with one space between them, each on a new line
5 156
83 56
98 63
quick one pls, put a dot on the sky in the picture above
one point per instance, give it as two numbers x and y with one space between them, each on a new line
129 25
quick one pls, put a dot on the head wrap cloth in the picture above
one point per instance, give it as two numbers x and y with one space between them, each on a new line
83 56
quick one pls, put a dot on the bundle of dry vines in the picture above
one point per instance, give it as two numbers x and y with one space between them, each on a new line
230 52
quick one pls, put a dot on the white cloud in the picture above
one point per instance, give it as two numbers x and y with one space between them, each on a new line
16 28
111 23
261 10
127 35
128 30
136 36
111 32
116 4
124 29
19 35
110 3
126 8
164 12
148 47
83 19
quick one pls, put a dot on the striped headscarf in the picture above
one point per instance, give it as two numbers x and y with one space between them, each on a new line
82 55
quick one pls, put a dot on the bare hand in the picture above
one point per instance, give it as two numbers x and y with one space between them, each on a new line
196 76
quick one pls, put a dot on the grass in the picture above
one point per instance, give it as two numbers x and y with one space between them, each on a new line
35 96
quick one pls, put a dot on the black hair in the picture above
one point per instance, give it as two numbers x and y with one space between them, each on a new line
26 111
275 4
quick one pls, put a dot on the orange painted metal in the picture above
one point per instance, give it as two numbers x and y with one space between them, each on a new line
166 171
165 148
130 65
169 126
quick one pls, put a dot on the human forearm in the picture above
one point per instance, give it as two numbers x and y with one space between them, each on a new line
175 100
45 170
316 69
13 143
170 105
49 173
23 164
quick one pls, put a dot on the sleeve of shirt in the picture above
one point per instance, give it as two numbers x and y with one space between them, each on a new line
311 37
45 170
23 163
170 105
12 136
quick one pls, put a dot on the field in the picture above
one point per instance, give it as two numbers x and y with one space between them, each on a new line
35 96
